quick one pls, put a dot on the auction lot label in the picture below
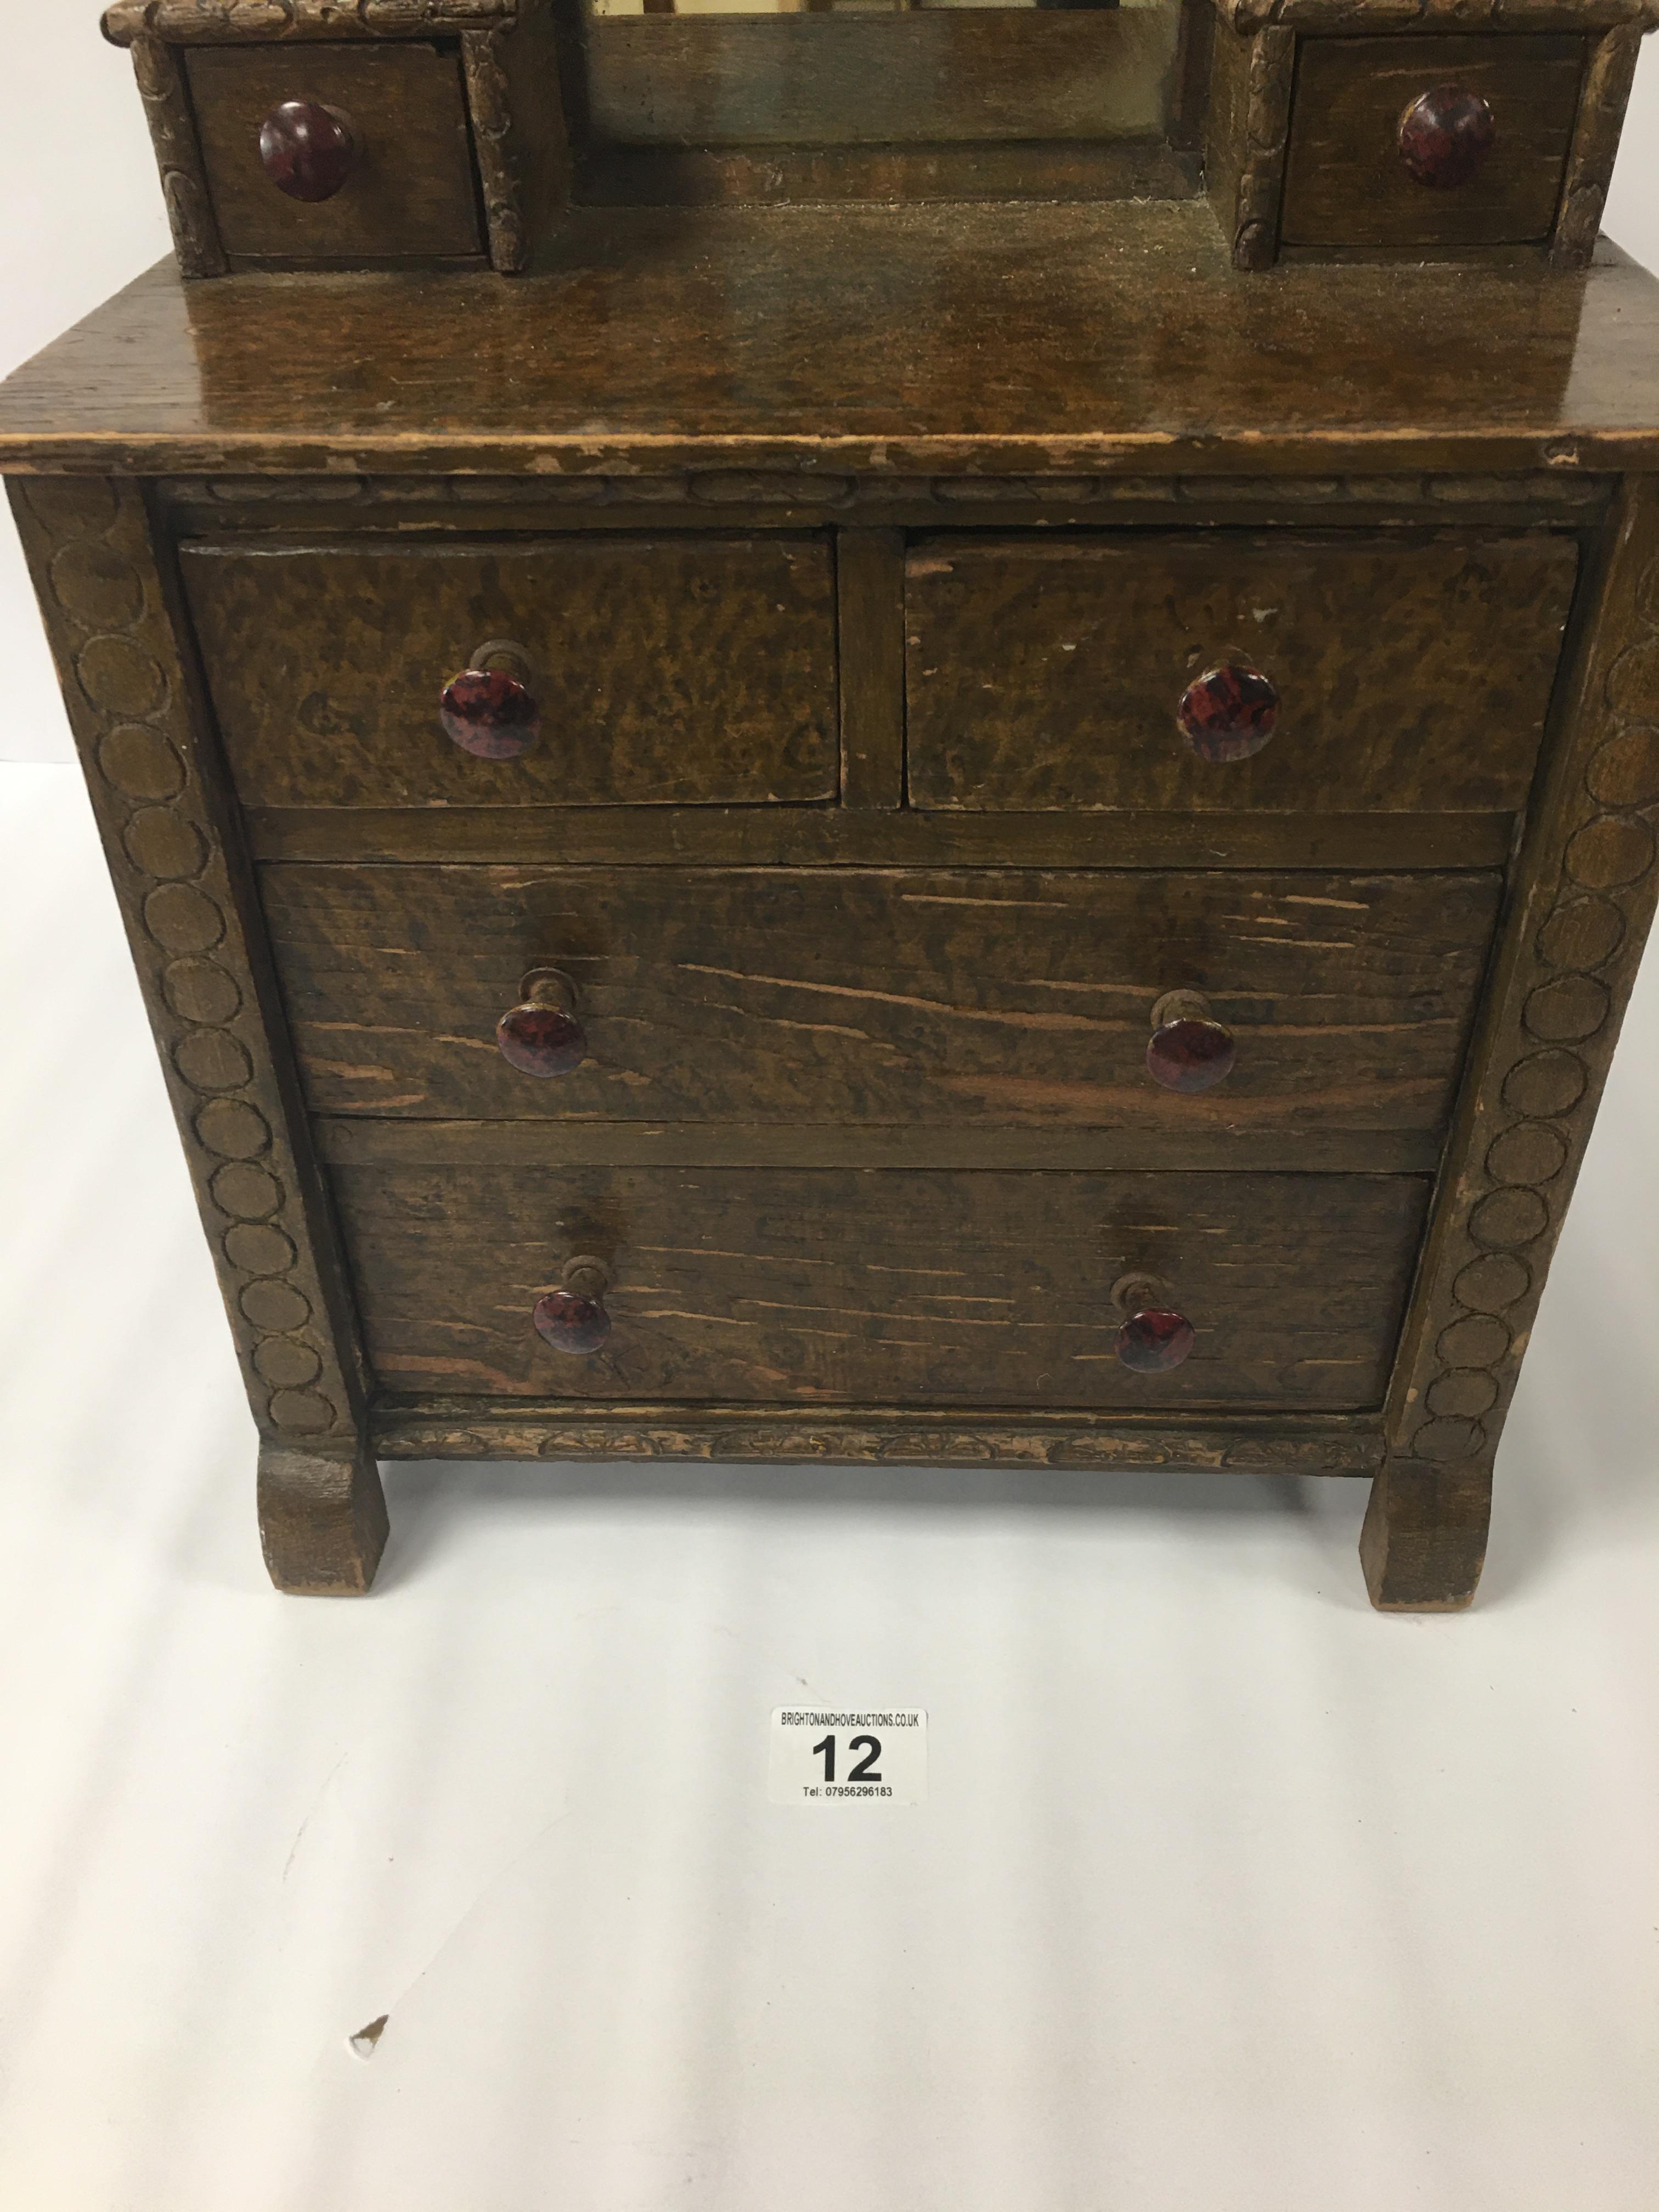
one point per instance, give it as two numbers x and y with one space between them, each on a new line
874 1756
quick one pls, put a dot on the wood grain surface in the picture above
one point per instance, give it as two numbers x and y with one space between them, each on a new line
989 999
857 338
773 1286
1414 673
668 671
1344 183
412 192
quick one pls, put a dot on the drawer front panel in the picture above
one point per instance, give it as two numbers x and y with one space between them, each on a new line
884 1287
1008 997
411 194
1346 182
679 670
1412 672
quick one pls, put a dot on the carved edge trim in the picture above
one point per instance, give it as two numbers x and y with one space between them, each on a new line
1586 891
488 101
222 22
1561 492
1266 135
1602 99
179 157
192 923
1377 18
853 1439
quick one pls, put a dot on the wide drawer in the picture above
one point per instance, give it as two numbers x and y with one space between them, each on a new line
883 1286
689 670
908 996
1412 672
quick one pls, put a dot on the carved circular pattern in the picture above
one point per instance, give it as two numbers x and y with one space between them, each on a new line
101 590
1584 931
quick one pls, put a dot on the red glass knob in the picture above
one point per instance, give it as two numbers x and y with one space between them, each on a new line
1189 1049
1228 712
541 1036
308 149
1153 1338
1445 136
572 1318
489 710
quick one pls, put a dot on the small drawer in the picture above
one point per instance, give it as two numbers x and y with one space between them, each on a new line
905 998
1407 673
1429 142
575 671
884 1287
408 190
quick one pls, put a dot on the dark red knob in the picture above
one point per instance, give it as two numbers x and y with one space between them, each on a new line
572 1318
1189 1049
1445 136
308 149
489 710
541 1036
1152 1338
1228 712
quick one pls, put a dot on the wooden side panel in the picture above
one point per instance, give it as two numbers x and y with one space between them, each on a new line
412 194
829 79
778 1286
187 901
686 670
1344 183
997 998
1413 673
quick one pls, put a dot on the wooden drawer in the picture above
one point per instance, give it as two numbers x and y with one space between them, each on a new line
687 670
411 194
1347 183
765 995
884 1286
1412 671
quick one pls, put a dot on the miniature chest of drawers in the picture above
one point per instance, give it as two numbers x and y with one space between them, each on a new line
928 737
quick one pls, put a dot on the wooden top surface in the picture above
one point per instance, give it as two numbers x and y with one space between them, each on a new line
1007 339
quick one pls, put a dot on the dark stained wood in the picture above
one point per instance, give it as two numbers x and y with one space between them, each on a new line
322 1519
230 22
670 671
998 998
1250 86
821 837
191 914
412 192
433 1426
1408 18
939 75
1345 183
1602 99
870 580
1048 672
359 1140
850 340
158 71
987 169
926 1289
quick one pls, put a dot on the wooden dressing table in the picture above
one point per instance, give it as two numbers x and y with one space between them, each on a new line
924 736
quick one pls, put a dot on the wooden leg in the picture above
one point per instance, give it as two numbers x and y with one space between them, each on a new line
1424 1538
322 1519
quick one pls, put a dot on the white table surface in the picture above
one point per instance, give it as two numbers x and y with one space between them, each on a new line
1227 1892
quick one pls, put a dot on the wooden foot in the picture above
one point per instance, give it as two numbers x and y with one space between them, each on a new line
322 1519
1424 1538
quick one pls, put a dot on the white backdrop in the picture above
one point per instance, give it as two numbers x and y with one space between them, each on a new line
1225 1892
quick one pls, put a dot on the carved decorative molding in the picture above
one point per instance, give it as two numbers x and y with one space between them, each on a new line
1372 18
489 103
1266 130
1559 491
178 158
1596 134
1587 882
192 925
852 1438
222 22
